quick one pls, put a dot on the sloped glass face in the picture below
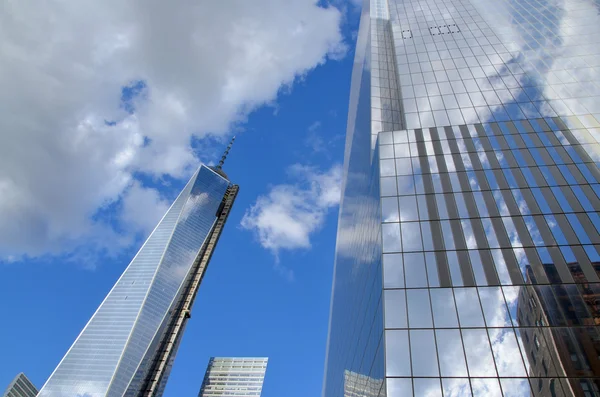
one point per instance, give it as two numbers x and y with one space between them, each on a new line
113 344
193 226
356 324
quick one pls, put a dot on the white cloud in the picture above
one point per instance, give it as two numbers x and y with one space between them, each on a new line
142 208
287 216
313 140
316 142
314 126
205 65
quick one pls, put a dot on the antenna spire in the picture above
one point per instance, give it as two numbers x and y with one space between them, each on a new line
224 156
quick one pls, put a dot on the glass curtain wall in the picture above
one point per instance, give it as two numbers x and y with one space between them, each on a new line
485 124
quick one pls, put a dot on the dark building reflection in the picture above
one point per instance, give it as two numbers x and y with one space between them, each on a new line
560 333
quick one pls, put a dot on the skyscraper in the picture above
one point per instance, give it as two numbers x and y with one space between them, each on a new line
470 192
128 346
20 387
234 376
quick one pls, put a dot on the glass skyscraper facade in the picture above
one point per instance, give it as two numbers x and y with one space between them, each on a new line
127 347
234 376
468 249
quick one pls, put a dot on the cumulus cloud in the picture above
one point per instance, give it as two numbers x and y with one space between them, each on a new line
287 216
70 148
317 143
313 140
142 208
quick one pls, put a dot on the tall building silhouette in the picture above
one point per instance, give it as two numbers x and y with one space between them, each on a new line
470 195
128 346
21 386
234 376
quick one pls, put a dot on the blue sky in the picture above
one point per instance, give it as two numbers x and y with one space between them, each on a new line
267 290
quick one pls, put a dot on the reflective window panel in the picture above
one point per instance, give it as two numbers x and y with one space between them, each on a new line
472 201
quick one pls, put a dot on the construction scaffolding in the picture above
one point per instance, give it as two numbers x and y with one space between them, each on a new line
158 373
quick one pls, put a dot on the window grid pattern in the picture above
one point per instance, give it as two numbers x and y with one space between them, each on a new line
241 377
470 61
490 259
488 200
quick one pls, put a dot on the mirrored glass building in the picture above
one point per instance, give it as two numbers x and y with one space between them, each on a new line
468 247
128 346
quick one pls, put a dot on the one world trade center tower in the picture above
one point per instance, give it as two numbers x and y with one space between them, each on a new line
128 346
